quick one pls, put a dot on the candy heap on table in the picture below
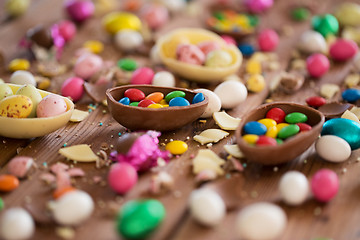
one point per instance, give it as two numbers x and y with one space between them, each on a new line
137 152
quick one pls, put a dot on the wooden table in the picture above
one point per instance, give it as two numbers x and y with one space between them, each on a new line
337 219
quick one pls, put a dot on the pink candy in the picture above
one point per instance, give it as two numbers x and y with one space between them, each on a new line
20 165
73 87
228 39
143 75
155 15
208 46
191 54
317 65
258 6
122 177
343 49
79 10
268 40
324 185
50 106
67 30
87 65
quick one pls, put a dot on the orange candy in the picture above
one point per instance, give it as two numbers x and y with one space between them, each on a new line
8 182
155 96
62 191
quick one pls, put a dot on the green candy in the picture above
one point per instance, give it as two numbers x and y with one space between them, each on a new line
174 94
326 25
279 141
134 104
137 219
288 131
127 64
219 15
253 20
300 14
296 117
2 204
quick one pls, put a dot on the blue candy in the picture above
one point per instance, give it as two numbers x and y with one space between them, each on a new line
351 95
246 49
199 97
178 102
125 101
346 129
255 128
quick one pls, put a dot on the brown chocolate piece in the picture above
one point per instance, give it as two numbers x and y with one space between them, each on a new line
160 119
291 82
41 36
334 109
292 147
97 91
126 141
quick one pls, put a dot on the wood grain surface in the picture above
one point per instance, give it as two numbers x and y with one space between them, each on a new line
337 219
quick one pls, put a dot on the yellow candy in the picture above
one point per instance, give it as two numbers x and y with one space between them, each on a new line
118 21
156 105
19 64
348 14
16 106
16 8
94 46
272 132
176 147
281 126
352 34
255 83
250 138
43 83
253 67
268 122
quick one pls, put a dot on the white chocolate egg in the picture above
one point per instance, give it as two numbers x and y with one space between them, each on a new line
333 148
17 223
294 188
231 93
214 104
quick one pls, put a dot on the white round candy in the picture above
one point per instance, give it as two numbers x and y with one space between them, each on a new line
128 40
155 55
214 104
16 223
294 187
333 148
231 93
260 221
164 79
312 42
22 77
73 208
207 207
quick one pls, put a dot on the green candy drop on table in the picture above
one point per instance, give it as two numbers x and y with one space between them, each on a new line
137 219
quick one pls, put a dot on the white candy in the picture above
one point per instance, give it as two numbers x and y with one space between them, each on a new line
231 93
214 104
164 79
128 40
294 188
207 207
174 5
333 148
73 208
16 223
312 42
155 55
260 221
22 77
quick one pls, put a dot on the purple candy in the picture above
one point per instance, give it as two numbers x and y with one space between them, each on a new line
258 6
79 10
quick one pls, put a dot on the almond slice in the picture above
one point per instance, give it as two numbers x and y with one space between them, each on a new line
208 160
225 121
78 115
234 151
79 153
210 136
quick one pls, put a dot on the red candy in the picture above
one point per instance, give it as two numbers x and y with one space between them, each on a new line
266 141
276 114
122 177
317 65
304 127
268 40
343 49
228 39
145 103
67 30
315 101
135 95
73 87
325 185
143 75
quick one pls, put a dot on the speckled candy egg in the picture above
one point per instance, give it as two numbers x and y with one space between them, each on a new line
231 93
333 148
163 79
73 87
294 188
214 104
218 58
5 91
154 15
31 92
17 223
73 208
22 77
128 40
87 65
51 105
260 221
16 106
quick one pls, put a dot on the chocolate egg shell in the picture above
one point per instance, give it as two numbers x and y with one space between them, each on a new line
291 148
41 36
161 119
126 141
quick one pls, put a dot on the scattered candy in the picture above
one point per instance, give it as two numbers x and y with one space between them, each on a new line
73 87
312 42
22 77
201 201
300 14
315 101
348 14
31 92
333 148
255 83
231 93
67 30
294 188
128 40
324 185
268 40
326 25
94 46
317 65
119 21
258 6
143 75
16 106
208 160
225 121
79 153
78 10
127 64
87 65
154 15
343 49
163 79
17 223
20 165
210 136
351 95
8 183
214 104
19 64
51 105
177 147
122 177
246 49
